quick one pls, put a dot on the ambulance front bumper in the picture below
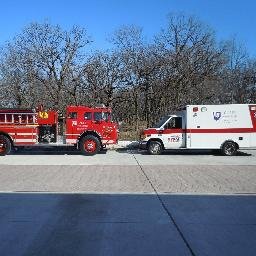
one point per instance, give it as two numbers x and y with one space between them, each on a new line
143 144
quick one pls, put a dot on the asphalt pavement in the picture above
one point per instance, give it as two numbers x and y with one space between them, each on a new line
69 156
127 203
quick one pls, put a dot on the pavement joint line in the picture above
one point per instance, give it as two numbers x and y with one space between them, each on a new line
111 164
209 194
76 192
122 193
166 209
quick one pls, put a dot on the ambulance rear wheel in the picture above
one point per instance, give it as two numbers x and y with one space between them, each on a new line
229 148
90 145
155 148
5 145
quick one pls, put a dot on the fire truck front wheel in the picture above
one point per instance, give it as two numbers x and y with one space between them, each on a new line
155 147
5 145
89 145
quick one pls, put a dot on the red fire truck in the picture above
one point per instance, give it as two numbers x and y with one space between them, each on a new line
88 128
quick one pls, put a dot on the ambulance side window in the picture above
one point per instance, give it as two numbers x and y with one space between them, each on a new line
178 122
174 123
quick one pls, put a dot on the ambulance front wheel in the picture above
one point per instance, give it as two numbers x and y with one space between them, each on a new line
229 148
155 147
5 145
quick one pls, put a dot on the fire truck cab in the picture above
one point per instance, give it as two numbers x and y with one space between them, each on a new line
88 128
223 127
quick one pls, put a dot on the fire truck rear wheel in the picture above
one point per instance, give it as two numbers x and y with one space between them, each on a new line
229 148
155 147
5 145
90 145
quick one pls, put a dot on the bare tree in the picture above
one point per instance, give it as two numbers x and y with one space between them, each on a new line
192 58
140 80
52 56
103 74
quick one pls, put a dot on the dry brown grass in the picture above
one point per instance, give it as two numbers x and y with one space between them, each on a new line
128 135
130 132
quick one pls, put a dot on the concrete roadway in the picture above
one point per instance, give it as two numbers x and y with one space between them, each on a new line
127 203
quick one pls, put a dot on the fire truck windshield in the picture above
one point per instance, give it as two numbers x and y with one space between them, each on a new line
161 122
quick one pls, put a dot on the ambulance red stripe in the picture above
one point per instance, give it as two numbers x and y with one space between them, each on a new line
199 130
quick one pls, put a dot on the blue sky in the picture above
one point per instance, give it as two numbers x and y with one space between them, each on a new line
228 18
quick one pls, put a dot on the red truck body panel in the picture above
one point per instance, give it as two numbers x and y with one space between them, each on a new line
29 127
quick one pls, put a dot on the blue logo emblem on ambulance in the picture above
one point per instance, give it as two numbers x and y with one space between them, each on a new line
216 115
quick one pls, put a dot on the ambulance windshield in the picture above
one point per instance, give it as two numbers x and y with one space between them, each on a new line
161 122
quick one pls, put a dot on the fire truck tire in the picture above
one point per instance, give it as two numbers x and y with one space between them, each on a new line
229 148
90 145
155 147
5 145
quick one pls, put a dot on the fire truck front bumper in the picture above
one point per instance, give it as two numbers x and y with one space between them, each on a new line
143 144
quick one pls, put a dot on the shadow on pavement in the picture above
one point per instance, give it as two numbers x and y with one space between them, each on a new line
180 152
126 224
60 150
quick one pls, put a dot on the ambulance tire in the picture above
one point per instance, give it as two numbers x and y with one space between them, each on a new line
155 147
5 145
90 145
229 148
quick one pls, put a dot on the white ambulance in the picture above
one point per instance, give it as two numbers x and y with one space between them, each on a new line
224 127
